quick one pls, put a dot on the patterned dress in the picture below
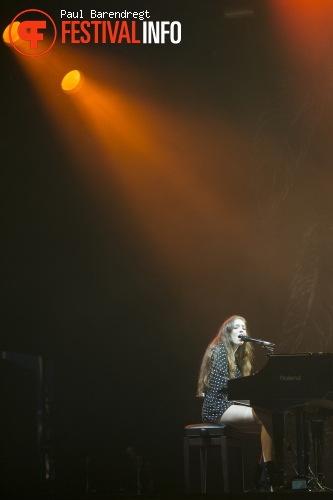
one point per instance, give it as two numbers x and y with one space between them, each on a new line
215 397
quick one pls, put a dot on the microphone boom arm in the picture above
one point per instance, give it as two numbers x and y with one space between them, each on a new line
263 343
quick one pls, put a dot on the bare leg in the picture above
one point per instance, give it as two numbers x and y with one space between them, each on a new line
247 420
266 434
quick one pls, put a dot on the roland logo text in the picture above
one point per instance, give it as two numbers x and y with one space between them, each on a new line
289 378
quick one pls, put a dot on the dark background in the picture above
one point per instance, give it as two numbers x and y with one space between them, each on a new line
123 289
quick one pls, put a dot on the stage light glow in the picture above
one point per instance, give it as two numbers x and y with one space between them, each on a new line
305 29
72 82
120 138
13 31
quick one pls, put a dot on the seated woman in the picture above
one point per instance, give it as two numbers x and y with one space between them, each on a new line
227 357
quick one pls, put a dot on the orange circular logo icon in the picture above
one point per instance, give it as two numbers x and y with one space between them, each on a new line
32 32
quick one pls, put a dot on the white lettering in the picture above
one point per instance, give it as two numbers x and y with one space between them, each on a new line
179 32
157 32
164 31
124 14
72 15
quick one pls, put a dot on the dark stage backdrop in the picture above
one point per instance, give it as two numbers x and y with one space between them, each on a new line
186 182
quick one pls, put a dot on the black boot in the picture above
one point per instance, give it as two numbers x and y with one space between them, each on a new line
263 484
275 475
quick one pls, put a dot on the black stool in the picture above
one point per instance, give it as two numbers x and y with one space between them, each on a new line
205 436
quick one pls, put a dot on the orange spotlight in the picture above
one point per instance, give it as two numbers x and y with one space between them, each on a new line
72 82
12 29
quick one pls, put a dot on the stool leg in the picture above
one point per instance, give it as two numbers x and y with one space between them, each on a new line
187 465
228 467
224 458
203 469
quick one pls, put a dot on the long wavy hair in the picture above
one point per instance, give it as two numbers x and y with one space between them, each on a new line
243 356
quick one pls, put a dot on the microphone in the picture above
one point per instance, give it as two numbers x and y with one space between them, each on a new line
256 341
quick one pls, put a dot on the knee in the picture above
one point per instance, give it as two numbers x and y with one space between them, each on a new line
256 417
